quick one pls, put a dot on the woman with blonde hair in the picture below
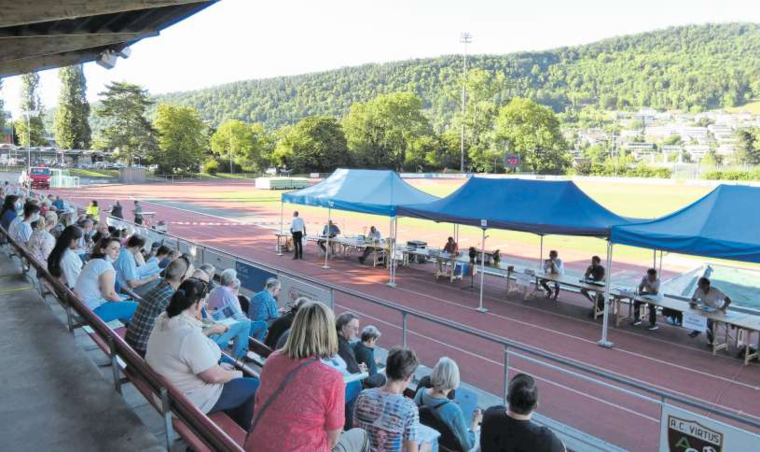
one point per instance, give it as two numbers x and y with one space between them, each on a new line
301 400
42 242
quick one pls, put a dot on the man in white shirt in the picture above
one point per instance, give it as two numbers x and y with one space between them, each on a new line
552 266
298 229
373 237
649 285
708 296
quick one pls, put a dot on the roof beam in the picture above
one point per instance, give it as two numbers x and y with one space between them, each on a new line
48 62
22 12
14 49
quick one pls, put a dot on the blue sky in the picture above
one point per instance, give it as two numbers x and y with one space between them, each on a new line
245 39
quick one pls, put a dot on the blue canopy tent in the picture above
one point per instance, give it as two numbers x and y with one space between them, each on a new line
540 207
724 224
376 192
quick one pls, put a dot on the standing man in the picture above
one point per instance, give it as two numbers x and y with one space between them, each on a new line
552 266
298 229
594 274
138 212
706 295
649 285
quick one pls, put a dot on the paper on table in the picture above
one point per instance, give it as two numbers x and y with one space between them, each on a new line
355 377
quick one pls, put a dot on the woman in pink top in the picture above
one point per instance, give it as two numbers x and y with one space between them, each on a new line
301 400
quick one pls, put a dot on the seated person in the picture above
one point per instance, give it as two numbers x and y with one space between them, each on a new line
101 232
42 242
8 212
347 326
152 266
85 243
452 248
279 327
713 297
444 379
297 423
179 351
63 262
390 419
210 270
223 304
154 303
364 350
552 266
649 285
511 429
96 284
20 228
595 273
263 305
375 237
127 273
330 230
93 210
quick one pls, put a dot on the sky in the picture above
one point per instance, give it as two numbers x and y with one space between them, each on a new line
245 39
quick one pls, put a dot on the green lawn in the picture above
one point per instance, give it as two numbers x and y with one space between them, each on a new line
751 107
95 173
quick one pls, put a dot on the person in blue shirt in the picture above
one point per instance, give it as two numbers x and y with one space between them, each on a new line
224 304
8 213
263 306
127 273
445 378
58 203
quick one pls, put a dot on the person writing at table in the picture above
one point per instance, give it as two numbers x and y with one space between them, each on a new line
330 230
552 266
373 237
451 247
706 295
594 274
649 285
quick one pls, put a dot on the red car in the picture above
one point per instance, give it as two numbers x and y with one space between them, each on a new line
38 177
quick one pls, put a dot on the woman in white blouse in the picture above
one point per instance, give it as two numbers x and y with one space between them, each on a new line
63 262
42 242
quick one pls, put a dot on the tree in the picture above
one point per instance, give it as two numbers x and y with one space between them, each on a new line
128 130
748 146
533 132
315 144
30 102
381 131
181 139
247 144
72 125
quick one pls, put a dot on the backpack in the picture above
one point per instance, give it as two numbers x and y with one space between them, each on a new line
429 416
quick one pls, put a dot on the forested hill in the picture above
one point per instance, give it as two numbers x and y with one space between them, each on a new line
691 67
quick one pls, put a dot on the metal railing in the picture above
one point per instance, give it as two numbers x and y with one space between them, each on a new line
555 363
172 399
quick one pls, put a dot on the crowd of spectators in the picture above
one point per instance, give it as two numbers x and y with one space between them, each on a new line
322 388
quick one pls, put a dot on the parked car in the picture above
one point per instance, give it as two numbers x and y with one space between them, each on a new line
37 177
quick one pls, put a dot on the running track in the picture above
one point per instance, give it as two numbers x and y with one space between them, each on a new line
665 359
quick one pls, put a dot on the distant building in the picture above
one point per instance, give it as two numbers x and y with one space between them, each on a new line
6 135
697 151
726 149
640 146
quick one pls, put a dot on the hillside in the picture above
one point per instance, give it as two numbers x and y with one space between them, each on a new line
691 67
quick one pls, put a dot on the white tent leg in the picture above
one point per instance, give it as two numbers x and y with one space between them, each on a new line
654 259
391 246
482 270
327 243
660 269
541 253
279 248
604 342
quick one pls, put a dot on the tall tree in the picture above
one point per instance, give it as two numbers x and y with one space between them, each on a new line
128 130
181 139
246 144
72 125
382 131
532 131
748 146
31 105
315 144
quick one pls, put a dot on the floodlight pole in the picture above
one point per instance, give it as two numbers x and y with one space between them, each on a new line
465 38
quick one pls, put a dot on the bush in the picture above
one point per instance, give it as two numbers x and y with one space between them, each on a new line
211 167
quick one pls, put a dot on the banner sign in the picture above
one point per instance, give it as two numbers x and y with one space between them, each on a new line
684 431
251 278
293 289
694 321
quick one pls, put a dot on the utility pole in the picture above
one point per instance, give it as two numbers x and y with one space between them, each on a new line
465 38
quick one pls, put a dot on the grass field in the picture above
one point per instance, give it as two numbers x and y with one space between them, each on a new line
751 107
94 173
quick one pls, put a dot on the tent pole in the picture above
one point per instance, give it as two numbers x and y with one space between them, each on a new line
604 342
482 270
282 209
327 244
389 256
660 270
541 253
654 259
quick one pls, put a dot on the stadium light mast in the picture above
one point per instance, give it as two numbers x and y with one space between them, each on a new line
465 38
